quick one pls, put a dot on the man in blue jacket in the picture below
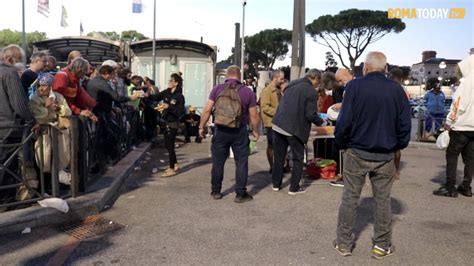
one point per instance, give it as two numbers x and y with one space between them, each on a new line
291 126
373 123
434 109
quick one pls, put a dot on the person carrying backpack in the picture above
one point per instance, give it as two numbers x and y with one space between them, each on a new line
233 107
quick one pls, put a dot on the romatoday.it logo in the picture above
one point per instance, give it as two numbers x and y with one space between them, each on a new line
427 13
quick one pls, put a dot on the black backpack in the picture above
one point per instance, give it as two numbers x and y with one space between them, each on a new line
227 110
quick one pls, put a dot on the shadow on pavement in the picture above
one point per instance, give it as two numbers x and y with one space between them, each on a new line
365 214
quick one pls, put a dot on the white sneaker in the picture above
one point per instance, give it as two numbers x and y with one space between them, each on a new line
299 191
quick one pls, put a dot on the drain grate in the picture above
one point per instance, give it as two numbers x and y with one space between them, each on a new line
91 226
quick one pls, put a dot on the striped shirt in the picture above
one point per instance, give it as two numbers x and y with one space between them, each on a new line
13 101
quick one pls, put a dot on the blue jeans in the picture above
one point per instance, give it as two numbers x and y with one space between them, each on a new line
222 140
381 176
433 117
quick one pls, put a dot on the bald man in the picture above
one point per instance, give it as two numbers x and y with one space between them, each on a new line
373 123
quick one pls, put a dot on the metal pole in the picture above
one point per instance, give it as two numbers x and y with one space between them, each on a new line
242 47
23 33
237 47
298 40
154 40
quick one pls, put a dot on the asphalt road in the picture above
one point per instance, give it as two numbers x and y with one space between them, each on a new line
174 221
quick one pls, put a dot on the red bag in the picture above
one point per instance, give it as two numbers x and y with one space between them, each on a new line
319 168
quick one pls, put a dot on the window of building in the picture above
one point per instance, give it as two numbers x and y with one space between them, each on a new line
429 72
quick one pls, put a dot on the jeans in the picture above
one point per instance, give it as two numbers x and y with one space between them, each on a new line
280 145
460 142
438 120
170 139
222 140
381 176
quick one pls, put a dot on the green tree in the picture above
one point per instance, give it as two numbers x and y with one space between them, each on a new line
330 61
265 47
132 35
351 31
8 37
127 35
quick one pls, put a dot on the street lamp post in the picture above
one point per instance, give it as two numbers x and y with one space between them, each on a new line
242 47
442 66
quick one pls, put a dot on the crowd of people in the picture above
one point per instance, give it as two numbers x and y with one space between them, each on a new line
118 108
372 125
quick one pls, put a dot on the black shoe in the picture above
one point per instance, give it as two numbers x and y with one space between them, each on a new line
187 141
270 171
216 195
241 198
198 140
465 190
300 190
287 169
446 192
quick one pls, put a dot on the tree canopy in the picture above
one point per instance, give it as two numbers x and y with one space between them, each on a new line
8 37
351 31
265 47
127 35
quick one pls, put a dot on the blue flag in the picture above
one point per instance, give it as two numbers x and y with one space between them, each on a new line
137 6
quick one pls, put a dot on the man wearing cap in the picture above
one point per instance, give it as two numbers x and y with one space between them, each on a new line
191 120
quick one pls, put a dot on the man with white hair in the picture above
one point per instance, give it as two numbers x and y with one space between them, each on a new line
373 123
14 112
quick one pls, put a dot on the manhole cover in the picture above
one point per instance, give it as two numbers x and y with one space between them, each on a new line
91 226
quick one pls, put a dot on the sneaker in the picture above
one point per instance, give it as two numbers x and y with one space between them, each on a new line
176 167
446 192
465 190
300 190
168 173
342 251
276 189
241 198
216 195
337 183
380 253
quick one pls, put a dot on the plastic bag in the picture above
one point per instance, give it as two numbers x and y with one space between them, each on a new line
442 141
56 203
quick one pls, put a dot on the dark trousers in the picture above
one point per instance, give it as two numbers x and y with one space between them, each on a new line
460 142
381 176
222 140
150 122
280 146
190 131
438 121
6 170
170 139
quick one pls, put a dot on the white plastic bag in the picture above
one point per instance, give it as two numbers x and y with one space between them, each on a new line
56 203
442 141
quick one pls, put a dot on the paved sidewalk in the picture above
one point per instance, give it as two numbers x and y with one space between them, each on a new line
174 221
96 198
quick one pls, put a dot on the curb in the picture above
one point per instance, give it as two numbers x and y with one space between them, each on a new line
101 193
423 145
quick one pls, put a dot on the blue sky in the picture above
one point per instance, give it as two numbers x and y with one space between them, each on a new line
214 20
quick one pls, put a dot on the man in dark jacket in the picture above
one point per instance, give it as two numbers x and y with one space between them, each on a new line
14 113
291 126
99 88
373 123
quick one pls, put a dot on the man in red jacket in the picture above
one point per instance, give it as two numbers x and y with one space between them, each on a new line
67 83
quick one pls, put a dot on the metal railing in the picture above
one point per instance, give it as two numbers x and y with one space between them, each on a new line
87 161
421 134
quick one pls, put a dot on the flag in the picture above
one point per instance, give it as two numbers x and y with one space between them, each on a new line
137 6
43 7
81 29
63 18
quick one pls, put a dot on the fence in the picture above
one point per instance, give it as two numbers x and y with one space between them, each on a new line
88 157
421 133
